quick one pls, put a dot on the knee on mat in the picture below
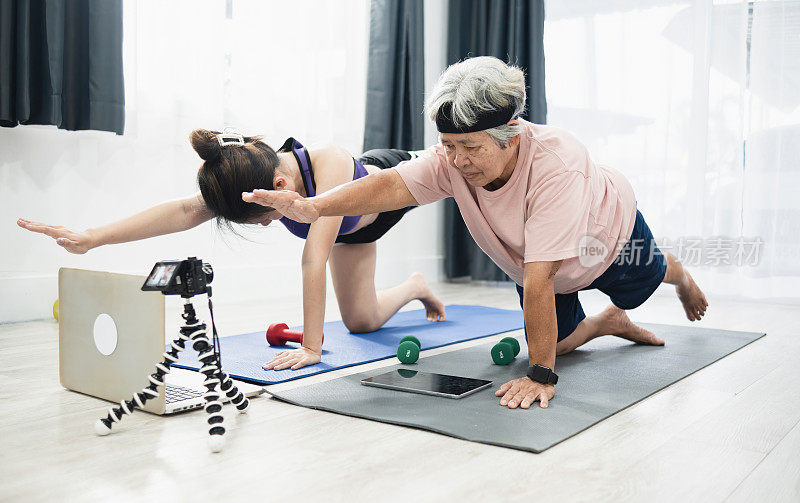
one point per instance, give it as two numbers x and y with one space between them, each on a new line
360 325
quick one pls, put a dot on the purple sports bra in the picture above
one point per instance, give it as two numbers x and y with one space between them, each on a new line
304 161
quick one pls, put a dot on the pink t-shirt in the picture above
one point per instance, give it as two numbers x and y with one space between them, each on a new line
558 204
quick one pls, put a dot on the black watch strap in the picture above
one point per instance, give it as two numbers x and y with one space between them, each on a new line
542 374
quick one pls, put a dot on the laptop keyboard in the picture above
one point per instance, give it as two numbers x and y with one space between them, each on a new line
177 393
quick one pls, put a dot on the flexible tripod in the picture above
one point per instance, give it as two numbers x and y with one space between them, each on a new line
193 331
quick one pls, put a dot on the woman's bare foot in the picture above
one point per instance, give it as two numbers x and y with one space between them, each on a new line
692 298
614 321
434 309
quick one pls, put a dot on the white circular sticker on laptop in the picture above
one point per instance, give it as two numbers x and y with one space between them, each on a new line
105 334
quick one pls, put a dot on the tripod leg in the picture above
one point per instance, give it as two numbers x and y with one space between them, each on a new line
115 414
213 407
232 392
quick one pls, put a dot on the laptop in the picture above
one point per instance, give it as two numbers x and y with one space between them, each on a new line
110 337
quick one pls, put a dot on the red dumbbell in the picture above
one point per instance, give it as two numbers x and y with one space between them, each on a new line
278 334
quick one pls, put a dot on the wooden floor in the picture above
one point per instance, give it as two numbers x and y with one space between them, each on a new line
730 432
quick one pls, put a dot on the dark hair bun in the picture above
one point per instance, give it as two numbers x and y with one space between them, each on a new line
205 143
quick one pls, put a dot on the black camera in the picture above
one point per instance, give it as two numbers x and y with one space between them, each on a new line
186 278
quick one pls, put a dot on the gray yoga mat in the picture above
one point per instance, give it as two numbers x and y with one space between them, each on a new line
595 381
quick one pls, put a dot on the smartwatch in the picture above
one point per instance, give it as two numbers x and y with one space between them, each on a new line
542 374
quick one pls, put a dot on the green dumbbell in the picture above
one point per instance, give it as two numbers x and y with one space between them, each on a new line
408 350
514 344
505 351
412 339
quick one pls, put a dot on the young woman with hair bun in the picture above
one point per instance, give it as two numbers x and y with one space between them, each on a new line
234 165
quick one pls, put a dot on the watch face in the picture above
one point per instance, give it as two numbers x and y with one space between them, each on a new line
539 373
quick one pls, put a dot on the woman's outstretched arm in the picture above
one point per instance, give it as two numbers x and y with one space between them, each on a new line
165 218
382 191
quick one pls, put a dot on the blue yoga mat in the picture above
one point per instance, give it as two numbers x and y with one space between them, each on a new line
243 355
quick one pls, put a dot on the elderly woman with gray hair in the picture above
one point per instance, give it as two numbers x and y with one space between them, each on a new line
536 203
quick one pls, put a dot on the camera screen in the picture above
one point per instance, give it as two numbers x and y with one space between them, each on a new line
160 275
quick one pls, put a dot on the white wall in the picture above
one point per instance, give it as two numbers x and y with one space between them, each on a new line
88 178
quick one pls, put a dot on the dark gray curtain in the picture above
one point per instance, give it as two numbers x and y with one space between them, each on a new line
61 64
395 79
512 30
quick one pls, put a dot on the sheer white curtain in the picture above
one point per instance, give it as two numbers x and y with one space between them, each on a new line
299 69
273 68
696 102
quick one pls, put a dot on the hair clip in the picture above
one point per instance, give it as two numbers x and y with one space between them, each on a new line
230 136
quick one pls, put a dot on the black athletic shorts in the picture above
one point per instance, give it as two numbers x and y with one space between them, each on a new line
383 158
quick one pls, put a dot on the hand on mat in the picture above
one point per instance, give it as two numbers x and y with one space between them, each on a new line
294 358
288 203
73 242
523 392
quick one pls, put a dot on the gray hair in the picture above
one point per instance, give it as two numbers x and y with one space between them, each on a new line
480 84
